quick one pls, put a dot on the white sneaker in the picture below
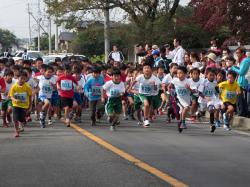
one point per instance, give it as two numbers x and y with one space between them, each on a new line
140 123
146 123
20 128
50 122
226 128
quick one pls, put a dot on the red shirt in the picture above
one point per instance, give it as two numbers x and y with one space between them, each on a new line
107 78
2 86
123 77
66 85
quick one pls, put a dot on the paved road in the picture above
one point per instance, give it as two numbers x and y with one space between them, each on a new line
59 156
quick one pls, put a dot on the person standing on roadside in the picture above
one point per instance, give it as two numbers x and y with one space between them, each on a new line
178 53
242 70
116 55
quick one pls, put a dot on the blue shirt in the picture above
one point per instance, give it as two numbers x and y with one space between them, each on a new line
93 87
242 71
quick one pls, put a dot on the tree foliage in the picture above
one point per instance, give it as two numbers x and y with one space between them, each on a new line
7 38
213 14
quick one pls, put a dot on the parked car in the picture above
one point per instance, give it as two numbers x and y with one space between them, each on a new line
32 55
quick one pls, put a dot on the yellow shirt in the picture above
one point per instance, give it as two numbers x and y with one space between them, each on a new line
22 93
229 91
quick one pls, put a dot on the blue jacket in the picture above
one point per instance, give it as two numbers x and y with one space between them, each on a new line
92 88
242 71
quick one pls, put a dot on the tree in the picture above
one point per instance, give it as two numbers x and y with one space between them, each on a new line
143 13
213 14
44 42
7 39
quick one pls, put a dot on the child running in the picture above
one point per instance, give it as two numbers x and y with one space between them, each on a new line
182 88
148 91
228 93
65 86
93 90
46 85
21 94
114 89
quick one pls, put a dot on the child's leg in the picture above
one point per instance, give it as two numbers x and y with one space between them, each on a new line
66 115
124 109
230 112
92 105
16 125
146 109
9 112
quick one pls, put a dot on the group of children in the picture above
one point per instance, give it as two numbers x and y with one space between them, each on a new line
141 91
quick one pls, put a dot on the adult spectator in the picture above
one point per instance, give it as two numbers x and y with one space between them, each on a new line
226 53
244 62
116 55
178 53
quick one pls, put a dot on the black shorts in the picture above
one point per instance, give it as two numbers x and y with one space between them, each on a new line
66 102
226 104
19 114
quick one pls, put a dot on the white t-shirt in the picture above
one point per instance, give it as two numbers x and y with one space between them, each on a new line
208 88
8 87
183 94
45 86
81 83
32 83
195 85
114 90
167 79
149 87
197 65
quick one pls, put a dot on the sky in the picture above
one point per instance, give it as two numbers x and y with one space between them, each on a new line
14 16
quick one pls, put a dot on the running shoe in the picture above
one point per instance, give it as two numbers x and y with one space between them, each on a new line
21 129
213 127
125 117
226 127
146 123
180 129
139 123
93 123
50 122
112 128
217 124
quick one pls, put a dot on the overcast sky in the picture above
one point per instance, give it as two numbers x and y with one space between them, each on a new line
14 16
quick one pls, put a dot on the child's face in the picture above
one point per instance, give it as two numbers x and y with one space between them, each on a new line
8 78
48 73
229 63
77 76
230 78
210 76
95 75
16 73
59 72
160 71
22 80
180 74
219 77
147 70
67 72
109 71
173 70
195 75
116 78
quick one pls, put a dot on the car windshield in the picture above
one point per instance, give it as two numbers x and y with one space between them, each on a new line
35 54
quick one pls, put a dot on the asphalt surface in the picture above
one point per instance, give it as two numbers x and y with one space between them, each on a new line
60 156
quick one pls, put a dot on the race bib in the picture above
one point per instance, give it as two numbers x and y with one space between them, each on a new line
21 97
96 90
66 85
209 92
114 93
146 89
46 89
230 95
181 91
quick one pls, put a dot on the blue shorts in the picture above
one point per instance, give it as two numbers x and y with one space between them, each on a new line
42 98
78 98
55 99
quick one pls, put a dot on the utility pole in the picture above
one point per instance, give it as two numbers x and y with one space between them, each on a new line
29 26
49 34
39 21
106 31
56 39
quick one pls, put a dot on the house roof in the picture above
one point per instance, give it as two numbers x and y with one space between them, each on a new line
67 36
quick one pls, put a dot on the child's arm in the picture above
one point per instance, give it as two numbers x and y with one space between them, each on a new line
103 93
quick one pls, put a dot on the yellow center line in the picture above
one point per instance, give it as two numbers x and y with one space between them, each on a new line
164 176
